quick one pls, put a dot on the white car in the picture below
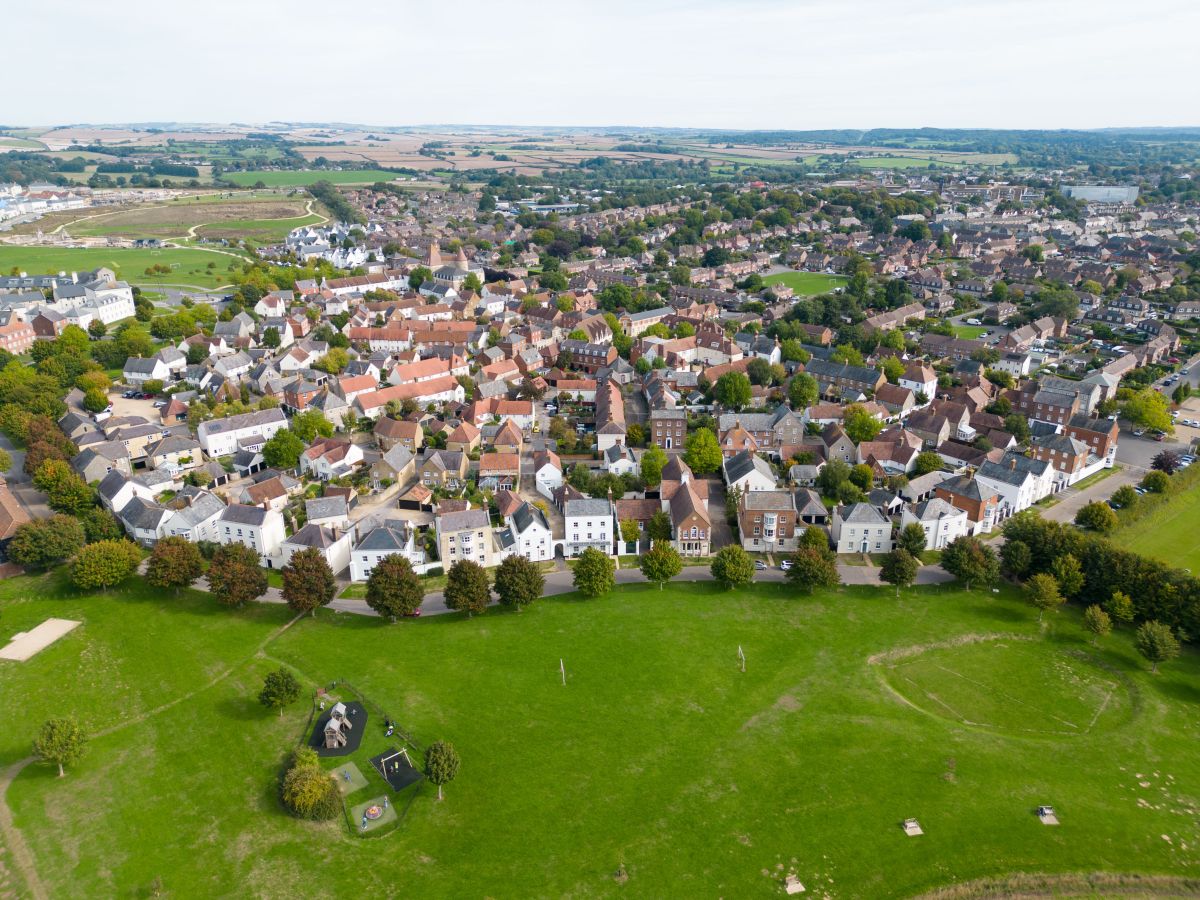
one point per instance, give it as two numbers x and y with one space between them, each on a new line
785 565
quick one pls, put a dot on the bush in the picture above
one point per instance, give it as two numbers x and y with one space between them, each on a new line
310 792
1156 482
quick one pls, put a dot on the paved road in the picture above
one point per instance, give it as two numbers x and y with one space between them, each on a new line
1073 500
21 485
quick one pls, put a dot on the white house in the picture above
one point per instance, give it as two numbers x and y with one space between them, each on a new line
138 371
589 523
618 460
747 471
329 458
547 472
941 522
259 529
193 515
116 490
388 539
920 379
528 534
332 543
861 528
1019 481
220 437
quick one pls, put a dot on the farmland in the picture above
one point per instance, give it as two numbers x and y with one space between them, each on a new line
303 178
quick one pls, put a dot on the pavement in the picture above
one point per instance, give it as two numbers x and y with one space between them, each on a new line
20 484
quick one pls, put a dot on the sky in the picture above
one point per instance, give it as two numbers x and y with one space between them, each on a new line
738 64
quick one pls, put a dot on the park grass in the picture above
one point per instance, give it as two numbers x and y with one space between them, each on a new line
806 283
1169 532
305 177
968 332
188 265
658 758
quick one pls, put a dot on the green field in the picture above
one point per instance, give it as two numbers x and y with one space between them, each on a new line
968 332
659 769
301 178
1169 532
188 266
806 284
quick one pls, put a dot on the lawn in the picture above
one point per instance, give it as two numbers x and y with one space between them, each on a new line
968 332
188 266
806 284
659 769
1168 532
304 177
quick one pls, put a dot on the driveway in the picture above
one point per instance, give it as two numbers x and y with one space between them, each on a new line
722 531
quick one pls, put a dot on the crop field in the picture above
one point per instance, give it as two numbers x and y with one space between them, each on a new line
658 769
302 178
807 284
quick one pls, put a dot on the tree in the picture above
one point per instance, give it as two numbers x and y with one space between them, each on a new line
1015 558
660 563
1156 481
104 564
5 461
593 573
234 575
95 400
1149 409
308 791
659 526
927 461
970 560
1096 516
308 581
813 568
732 390
703 453
652 462
1068 573
393 588
175 562
519 582
631 533
859 424
283 450
814 537
418 277
803 391
1042 591
41 543
732 566
441 764
1125 496
467 588
271 339
1120 607
899 568
912 539
862 477
280 688
1156 642
1166 461
60 741
1096 621
309 424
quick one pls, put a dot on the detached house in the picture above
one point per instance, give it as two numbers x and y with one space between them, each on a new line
861 528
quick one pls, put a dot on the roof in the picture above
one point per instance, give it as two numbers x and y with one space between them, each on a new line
325 508
587 507
244 515
392 535
768 500
861 514
312 535
464 520
742 464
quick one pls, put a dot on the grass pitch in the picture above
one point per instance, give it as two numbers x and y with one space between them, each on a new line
807 284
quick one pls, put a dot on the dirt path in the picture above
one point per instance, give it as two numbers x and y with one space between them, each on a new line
22 857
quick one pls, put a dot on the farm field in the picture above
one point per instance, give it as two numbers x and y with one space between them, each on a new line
302 178
188 266
659 768
806 284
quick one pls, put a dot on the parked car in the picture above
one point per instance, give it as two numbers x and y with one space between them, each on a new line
785 565
759 564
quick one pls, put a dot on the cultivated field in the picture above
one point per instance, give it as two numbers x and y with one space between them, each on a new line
302 178
658 770
806 283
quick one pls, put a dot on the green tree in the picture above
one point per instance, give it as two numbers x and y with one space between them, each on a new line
859 424
652 462
418 277
1125 496
309 424
1157 643
519 582
814 537
862 476
970 560
60 741
1156 482
441 764
732 566
5 461
659 527
912 539
104 564
271 339
593 573
280 688
1096 621
1120 607
660 563
175 562
308 582
813 568
1042 591
41 543
927 461
732 390
282 450
1096 516
309 791
234 575
1069 575
1149 409
803 391
1015 558
899 568
630 532
467 588
703 453
393 588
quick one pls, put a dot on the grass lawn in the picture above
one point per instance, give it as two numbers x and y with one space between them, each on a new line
658 758
188 266
968 332
304 177
1168 532
807 284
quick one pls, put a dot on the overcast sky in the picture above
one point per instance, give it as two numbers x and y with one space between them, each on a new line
700 63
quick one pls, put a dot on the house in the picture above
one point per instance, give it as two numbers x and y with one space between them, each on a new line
467 534
262 530
116 490
332 543
1100 435
95 461
861 528
1019 481
398 465
920 379
223 437
1068 457
528 534
391 432
329 458
499 471
331 510
980 503
835 377
138 371
747 472
691 527
838 444
767 521
589 523
941 521
143 520
547 472
445 469
194 513
175 453
466 438
507 439
668 428
390 538
619 460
